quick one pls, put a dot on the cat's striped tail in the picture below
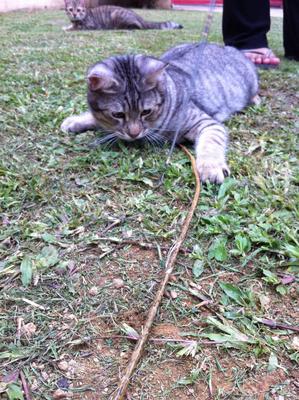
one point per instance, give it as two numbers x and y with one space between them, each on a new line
162 25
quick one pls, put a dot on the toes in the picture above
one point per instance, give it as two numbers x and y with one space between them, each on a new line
225 173
65 126
213 172
256 100
262 56
70 125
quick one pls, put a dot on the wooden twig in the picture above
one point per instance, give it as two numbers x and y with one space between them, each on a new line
113 224
123 242
20 323
32 303
25 386
169 266
275 325
164 340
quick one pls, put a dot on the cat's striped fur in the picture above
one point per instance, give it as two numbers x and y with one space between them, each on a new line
109 17
191 90
162 4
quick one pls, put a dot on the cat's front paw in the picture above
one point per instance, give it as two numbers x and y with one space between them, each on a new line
212 170
72 125
68 28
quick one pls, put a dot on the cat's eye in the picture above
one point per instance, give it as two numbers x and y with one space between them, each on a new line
144 113
71 9
79 9
118 115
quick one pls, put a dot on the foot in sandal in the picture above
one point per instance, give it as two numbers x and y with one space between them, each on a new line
262 57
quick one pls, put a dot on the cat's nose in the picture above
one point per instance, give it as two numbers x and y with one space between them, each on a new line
134 130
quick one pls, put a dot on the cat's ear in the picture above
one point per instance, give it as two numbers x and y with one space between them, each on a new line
152 71
100 78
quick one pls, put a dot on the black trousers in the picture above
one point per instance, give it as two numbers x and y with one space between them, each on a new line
245 24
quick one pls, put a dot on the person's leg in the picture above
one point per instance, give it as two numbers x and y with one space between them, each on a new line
291 28
245 24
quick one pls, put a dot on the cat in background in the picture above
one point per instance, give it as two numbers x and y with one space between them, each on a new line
190 90
162 4
109 17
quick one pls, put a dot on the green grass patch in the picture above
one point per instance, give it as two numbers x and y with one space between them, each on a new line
69 277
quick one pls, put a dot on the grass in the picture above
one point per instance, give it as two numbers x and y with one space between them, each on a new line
66 292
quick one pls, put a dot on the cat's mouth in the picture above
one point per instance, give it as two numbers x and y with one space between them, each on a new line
131 138
132 133
149 135
76 19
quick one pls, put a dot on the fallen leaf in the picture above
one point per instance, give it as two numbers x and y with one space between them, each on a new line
14 392
286 279
198 268
61 394
295 343
265 301
118 283
93 291
129 331
273 362
28 330
26 271
63 365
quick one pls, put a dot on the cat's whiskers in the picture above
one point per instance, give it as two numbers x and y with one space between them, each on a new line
107 140
161 130
154 138
111 142
151 142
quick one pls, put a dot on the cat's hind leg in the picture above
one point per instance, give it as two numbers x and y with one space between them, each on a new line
256 100
79 123
222 115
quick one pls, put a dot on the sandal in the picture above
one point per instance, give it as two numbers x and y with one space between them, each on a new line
262 58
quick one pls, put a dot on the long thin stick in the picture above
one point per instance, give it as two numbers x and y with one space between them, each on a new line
276 325
25 386
169 266
135 242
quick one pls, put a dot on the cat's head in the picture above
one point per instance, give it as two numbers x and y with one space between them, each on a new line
75 10
126 94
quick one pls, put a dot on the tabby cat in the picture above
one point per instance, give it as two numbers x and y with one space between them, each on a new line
190 91
162 4
109 17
